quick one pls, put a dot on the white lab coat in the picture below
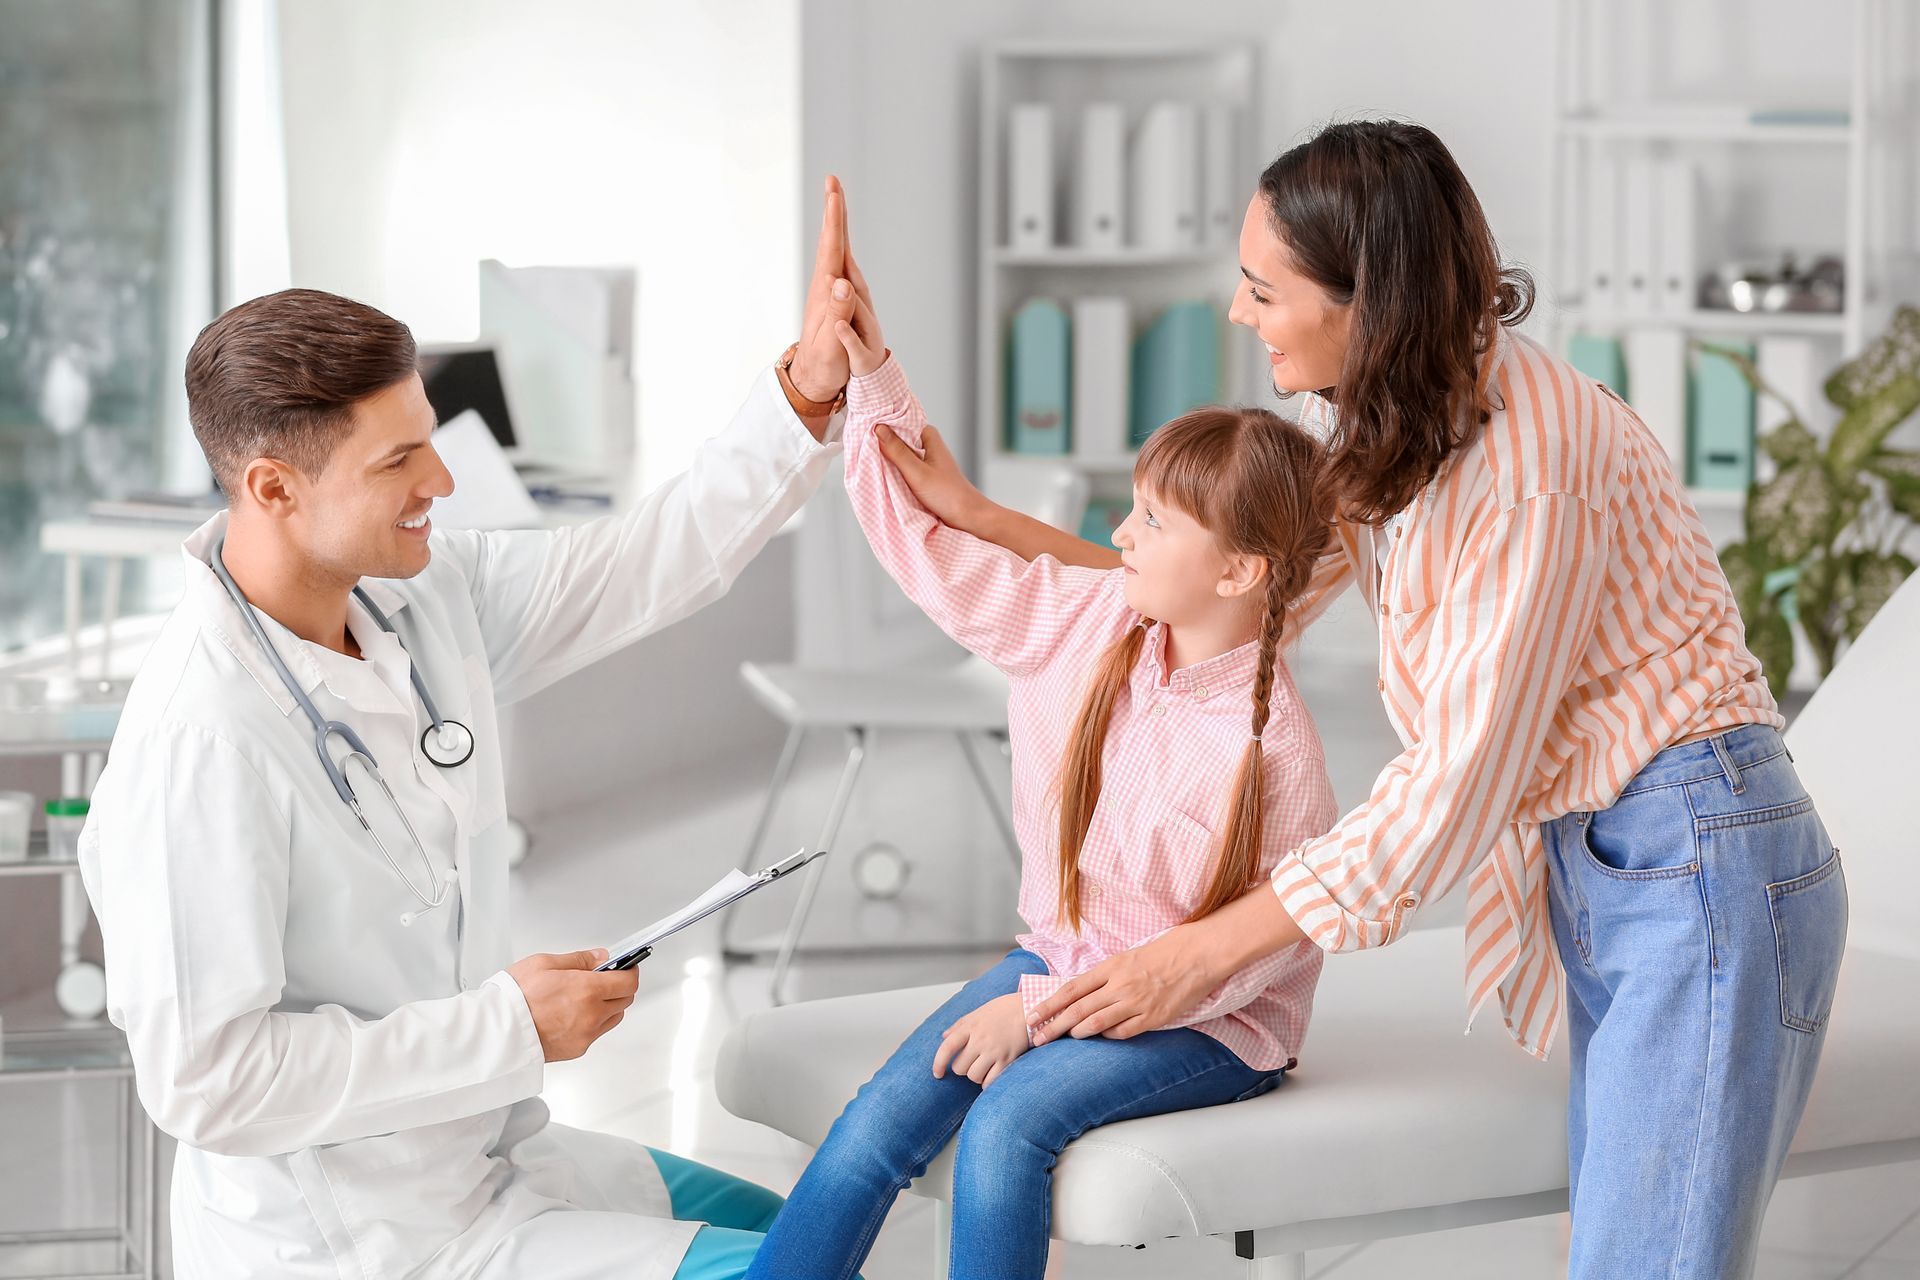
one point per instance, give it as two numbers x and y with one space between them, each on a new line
354 1096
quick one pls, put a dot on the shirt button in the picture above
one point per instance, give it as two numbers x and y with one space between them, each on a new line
1200 692
1381 685
1158 710
1093 891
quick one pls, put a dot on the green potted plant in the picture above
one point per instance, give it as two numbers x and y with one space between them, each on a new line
1825 535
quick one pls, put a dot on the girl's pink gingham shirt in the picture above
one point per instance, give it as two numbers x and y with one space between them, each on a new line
1172 750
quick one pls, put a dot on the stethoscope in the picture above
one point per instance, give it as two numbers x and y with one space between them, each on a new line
447 743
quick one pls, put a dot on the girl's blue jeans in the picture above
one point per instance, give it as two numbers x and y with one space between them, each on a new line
1701 919
1010 1136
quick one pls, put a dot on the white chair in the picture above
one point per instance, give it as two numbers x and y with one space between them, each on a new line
967 700
1398 1125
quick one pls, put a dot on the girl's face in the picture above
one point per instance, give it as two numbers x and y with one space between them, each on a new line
1305 330
1177 572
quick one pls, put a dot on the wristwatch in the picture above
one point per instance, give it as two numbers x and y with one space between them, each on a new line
801 405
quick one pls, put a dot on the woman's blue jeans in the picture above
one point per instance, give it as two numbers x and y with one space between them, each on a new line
1010 1136
1701 920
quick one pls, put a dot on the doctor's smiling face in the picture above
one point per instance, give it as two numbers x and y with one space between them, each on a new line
367 513
314 420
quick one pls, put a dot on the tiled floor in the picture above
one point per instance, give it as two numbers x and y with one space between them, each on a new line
596 873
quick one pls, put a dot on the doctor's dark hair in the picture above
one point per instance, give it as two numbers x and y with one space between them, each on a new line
1378 214
1252 480
277 377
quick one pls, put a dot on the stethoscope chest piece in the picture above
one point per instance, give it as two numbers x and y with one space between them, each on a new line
448 745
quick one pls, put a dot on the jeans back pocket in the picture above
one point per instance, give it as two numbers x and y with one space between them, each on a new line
1810 933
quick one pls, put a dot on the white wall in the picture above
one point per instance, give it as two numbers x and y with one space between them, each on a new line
425 136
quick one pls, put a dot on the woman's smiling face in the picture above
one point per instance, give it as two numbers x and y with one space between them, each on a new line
1304 330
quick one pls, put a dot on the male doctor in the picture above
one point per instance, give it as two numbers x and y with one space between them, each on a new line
321 1008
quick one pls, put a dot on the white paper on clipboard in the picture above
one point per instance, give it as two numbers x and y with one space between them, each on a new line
724 892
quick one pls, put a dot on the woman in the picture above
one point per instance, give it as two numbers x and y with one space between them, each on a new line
1589 742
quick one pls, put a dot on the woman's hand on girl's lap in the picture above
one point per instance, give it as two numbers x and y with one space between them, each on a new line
982 1044
1135 991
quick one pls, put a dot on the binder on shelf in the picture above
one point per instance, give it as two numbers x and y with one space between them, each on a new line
1721 431
1100 196
1164 212
1657 373
1638 209
1176 366
1677 238
1790 365
1100 378
1599 357
1219 177
1038 373
1603 233
1030 176
1102 518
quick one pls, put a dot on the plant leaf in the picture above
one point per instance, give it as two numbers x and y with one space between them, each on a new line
1901 470
1893 354
1859 434
1794 512
1769 633
1791 443
1876 577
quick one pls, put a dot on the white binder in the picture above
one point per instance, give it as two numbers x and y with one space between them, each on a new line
1677 273
1165 206
1101 349
1656 359
1603 233
1639 208
1030 177
1220 177
1100 181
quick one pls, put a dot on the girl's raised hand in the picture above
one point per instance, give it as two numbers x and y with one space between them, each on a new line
860 336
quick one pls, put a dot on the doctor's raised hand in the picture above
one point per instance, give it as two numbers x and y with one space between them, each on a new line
814 371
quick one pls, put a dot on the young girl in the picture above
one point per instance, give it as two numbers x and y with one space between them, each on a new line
1162 763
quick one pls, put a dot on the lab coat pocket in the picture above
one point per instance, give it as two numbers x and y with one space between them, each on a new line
392 1202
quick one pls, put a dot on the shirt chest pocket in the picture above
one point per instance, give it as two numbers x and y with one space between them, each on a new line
1172 866
1411 613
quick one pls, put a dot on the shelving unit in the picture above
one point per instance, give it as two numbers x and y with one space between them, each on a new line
1069 75
1871 132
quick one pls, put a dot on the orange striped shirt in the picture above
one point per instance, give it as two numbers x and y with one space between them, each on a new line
1552 615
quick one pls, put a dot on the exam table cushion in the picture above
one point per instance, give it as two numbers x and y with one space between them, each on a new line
1391 1108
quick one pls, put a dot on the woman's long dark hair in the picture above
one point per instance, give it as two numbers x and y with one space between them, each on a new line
1377 214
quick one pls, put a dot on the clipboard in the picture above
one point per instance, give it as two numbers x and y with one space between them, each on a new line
730 888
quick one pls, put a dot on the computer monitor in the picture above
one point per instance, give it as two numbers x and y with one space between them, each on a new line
463 376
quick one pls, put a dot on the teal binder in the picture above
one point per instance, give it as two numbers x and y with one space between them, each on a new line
1102 518
1720 421
1039 376
1600 359
1176 367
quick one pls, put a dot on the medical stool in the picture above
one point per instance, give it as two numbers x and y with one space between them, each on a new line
967 699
